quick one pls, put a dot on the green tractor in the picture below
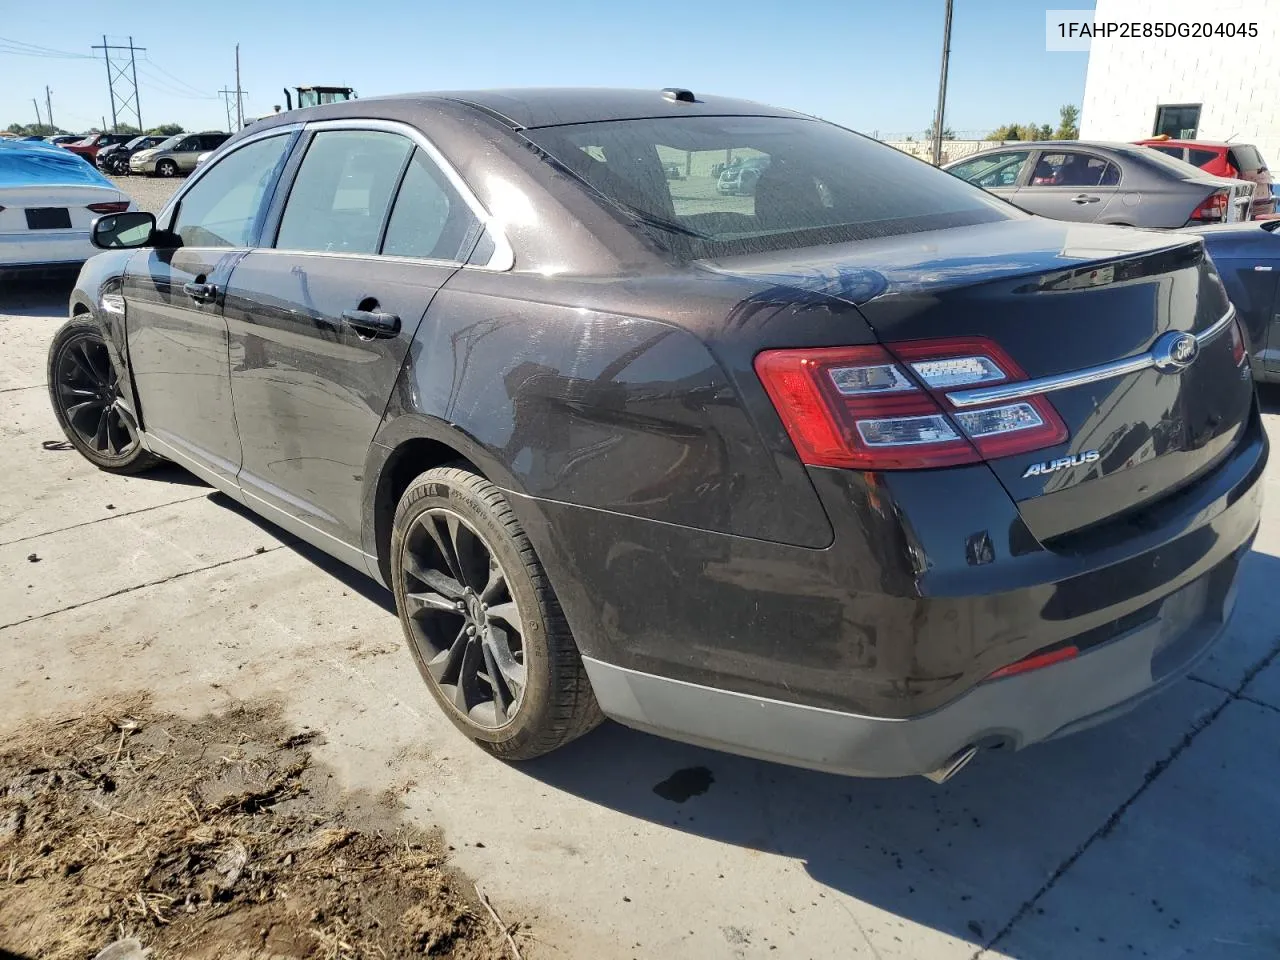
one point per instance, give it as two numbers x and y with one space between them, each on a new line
314 96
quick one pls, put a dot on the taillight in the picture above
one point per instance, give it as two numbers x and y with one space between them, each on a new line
1213 210
1237 343
878 408
116 206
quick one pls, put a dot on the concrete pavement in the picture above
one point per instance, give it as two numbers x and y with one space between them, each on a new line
1151 836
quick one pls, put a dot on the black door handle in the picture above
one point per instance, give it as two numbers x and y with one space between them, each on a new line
1082 198
200 292
372 323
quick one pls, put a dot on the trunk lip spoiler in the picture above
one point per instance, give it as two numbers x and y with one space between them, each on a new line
1076 378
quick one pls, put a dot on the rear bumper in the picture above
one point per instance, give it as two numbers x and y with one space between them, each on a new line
869 656
35 250
1010 713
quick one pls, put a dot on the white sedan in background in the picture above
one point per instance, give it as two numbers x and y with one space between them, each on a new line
49 199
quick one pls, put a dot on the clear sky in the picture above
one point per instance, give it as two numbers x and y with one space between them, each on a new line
869 64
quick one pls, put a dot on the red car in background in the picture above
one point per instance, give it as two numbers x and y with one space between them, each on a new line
1239 161
88 147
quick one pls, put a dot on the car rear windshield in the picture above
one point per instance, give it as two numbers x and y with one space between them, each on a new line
719 186
1162 162
1246 158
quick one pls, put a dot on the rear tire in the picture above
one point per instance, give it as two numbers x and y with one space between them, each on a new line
482 621
84 387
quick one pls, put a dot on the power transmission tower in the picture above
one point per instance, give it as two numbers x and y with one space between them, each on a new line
122 81
227 96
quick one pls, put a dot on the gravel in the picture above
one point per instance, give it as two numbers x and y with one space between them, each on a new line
151 193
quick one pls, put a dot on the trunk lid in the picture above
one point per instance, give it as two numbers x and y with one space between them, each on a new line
1060 298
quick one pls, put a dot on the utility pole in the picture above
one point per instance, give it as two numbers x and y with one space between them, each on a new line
137 101
48 103
39 122
122 81
239 94
940 117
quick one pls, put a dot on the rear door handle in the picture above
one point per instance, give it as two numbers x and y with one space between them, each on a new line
1085 198
200 292
372 323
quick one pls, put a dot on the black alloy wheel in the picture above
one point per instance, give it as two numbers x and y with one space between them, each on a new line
464 620
481 619
85 389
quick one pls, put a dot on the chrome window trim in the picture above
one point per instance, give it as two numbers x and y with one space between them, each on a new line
1064 381
502 258
167 212
377 257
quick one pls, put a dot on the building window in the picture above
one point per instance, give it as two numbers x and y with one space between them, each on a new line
1180 121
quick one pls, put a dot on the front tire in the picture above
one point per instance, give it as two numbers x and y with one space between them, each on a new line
167 168
84 387
482 621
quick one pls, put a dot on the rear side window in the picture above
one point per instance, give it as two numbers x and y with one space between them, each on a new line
342 193
1246 158
1178 153
429 220
1074 170
222 208
716 186
1201 157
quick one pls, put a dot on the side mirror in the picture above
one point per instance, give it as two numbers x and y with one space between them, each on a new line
123 231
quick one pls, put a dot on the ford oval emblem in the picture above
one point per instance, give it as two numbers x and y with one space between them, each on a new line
1175 352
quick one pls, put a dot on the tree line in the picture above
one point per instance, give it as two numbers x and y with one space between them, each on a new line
1068 129
44 130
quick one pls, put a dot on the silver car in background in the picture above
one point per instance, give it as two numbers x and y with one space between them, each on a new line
1114 183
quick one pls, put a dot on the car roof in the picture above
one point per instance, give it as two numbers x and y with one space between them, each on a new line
554 106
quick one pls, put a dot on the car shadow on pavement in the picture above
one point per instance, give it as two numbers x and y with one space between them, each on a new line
36 297
964 858
354 580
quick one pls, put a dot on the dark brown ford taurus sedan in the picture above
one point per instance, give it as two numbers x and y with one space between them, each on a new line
862 469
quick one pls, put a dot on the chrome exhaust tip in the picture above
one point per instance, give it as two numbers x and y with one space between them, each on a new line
952 766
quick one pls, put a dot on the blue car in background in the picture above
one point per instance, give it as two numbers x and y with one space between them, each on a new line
1247 256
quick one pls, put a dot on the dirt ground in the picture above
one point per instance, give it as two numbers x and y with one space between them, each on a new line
217 839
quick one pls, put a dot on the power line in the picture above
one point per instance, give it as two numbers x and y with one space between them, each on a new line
163 86
204 95
23 49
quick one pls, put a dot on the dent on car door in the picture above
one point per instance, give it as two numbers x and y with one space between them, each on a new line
174 297
320 324
1070 185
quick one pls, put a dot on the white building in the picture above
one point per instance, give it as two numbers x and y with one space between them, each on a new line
1222 88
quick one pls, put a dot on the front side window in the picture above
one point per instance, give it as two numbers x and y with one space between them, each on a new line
1179 121
719 186
1074 170
429 220
1178 153
222 208
994 169
342 193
